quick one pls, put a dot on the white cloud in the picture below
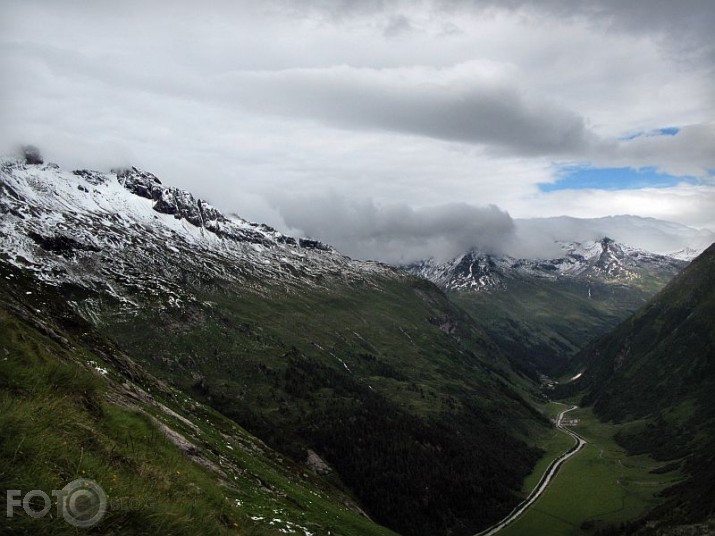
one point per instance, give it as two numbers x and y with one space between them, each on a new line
535 237
692 205
690 152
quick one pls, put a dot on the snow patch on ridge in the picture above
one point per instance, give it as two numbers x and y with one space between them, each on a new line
128 234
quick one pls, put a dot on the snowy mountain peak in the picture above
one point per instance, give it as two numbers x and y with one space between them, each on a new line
128 232
602 259
84 188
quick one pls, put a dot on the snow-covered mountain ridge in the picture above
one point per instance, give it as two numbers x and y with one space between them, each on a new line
126 233
603 260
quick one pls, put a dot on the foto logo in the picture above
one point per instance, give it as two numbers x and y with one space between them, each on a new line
82 503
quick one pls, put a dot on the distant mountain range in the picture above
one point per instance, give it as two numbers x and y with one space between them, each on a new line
537 237
542 311
602 261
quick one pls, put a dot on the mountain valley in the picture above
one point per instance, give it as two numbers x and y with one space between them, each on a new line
305 392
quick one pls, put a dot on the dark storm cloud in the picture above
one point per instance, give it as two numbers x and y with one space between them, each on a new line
686 24
400 234
690 18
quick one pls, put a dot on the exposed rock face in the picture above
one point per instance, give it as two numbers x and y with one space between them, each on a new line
313 244
62 245
92 177
183 205
317 464
138 182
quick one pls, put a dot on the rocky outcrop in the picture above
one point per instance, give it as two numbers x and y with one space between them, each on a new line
138 182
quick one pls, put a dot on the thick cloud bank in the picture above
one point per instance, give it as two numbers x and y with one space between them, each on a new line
398 233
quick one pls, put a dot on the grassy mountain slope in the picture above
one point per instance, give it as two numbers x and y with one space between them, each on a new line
541 323
72 405
540 312
403 396
415 411
657 370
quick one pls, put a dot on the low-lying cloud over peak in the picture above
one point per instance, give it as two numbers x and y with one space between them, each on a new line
398 233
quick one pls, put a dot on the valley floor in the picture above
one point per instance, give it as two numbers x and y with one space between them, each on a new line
600 486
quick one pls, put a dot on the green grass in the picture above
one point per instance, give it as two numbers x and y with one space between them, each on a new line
522 319
656 371
599 486
382 333
58 425
294 367
379 377
57 428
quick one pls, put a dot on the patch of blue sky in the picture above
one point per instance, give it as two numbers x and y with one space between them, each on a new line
621 178
667 131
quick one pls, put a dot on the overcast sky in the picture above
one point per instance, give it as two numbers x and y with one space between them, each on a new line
391 129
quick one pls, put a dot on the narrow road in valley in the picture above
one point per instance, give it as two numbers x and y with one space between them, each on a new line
546 479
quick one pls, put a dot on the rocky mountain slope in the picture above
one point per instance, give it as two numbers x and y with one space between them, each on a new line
541 312
126 234
410 406
657 371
